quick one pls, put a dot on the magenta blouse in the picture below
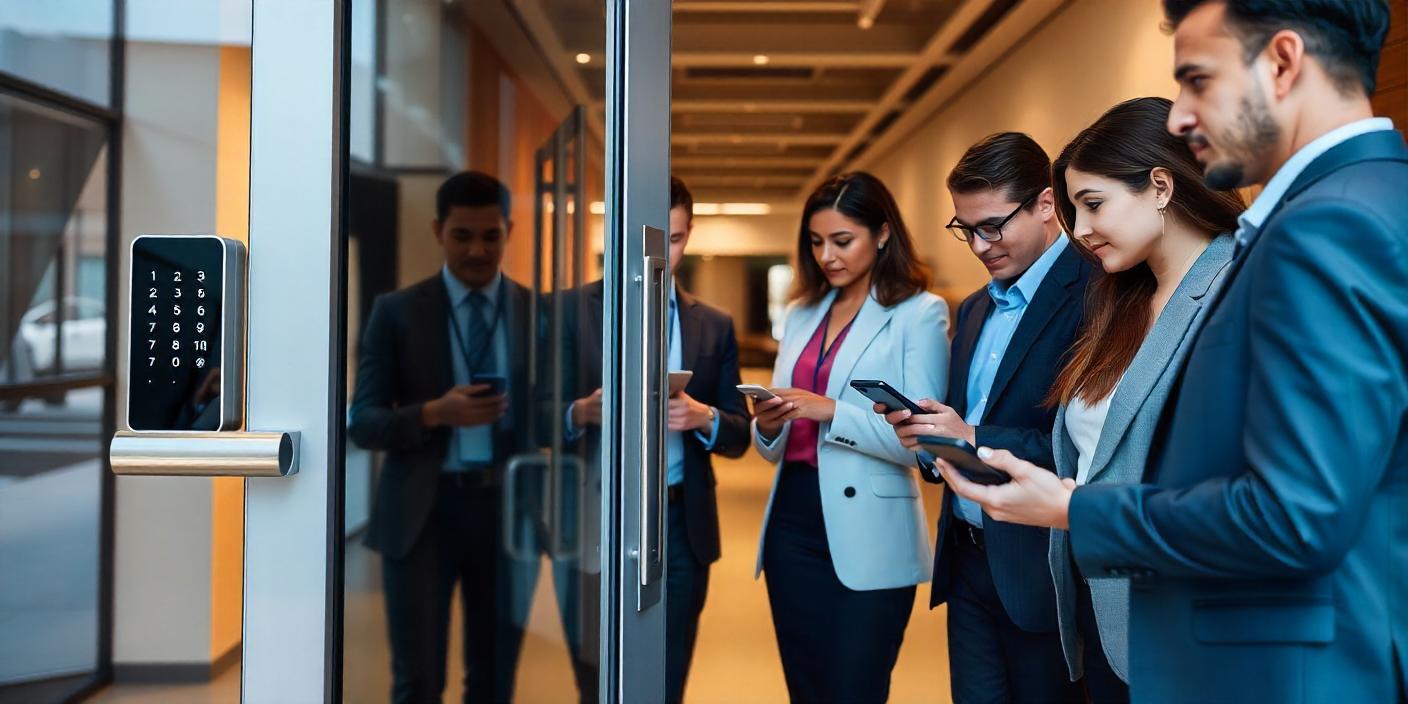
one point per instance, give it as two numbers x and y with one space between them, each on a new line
812 373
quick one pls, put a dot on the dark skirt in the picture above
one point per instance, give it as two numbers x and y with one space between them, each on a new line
837 644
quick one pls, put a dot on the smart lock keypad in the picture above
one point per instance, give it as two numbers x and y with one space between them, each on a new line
178 291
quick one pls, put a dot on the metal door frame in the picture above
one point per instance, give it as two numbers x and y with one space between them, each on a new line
296 379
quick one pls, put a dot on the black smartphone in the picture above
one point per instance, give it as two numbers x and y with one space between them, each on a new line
881 392
497 384
964 458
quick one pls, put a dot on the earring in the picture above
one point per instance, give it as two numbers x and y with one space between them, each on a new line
882 247
1162 222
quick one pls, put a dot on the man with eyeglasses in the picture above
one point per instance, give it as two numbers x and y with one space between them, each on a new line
1010 338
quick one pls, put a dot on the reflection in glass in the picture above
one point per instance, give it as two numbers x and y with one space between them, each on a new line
64 45
473 518
53 178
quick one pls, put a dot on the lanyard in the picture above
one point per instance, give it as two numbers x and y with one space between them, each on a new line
825 350
471 362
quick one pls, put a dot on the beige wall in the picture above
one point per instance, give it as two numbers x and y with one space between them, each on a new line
1088 56
163 532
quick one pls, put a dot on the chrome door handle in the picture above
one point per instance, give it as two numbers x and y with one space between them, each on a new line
655 311
510 511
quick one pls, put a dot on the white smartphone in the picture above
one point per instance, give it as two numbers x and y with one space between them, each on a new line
759 393
679 380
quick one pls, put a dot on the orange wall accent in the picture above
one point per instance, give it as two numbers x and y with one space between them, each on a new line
231 220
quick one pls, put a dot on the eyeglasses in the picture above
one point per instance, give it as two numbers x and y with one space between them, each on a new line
988 233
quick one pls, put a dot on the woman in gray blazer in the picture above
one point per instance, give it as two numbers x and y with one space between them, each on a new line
1132 196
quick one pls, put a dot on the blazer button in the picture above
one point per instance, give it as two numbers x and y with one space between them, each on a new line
850 491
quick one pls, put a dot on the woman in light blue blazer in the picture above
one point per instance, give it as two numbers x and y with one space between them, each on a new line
1132 196
845 539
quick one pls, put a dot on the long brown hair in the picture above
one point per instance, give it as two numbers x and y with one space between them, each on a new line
1127 144
897 273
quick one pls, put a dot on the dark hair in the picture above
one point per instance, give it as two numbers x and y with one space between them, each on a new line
1126 144
680 197
471 189
1011 161
1346 36
897 273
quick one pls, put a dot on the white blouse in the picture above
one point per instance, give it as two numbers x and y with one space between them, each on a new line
1084 423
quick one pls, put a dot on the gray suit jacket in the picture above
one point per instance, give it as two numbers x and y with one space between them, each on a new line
1123 449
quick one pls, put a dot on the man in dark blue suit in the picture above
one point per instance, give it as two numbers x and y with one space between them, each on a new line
1268 548
1011 337
443 389
707 417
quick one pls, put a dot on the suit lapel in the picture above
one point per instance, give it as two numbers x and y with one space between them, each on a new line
432 317
1162 345
870 320
690 328
1051 296
964 344
518 309
797 337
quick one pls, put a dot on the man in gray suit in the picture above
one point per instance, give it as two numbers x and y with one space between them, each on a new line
1267 548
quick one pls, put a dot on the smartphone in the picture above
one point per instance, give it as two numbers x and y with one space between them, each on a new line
679 380
497 384
882 393
964 458
759 393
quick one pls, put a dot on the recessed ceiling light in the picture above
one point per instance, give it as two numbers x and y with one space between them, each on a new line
584 58
866 22
761 60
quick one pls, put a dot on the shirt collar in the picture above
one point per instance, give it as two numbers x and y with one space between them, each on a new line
1255 216
458 290
1024 289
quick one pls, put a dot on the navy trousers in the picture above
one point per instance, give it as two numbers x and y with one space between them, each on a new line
991 660
686 585
837 644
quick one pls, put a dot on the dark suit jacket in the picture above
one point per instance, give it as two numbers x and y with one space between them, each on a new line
711 352
405 361
1268 548
1018 420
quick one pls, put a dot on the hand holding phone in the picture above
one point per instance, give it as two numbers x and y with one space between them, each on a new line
679 380
963 457
497 384
885 395
757 393
769 409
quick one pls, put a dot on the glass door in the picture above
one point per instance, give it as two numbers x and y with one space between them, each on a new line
456 298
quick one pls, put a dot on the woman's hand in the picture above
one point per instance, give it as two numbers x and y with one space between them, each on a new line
1034 497
771 415
808 405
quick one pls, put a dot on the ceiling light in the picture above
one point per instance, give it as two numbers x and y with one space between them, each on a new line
732 209
584 58
598 207
746 209
761 60
865 22
35 174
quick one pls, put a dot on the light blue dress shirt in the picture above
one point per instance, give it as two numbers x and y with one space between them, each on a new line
1010 305
474 446
1254 217
674 441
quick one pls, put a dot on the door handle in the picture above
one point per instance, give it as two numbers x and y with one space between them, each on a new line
655 310
512 473
567 488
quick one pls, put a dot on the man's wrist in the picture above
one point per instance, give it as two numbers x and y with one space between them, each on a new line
707 419
429 414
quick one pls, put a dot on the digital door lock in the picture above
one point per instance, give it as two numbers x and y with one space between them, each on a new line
185 369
